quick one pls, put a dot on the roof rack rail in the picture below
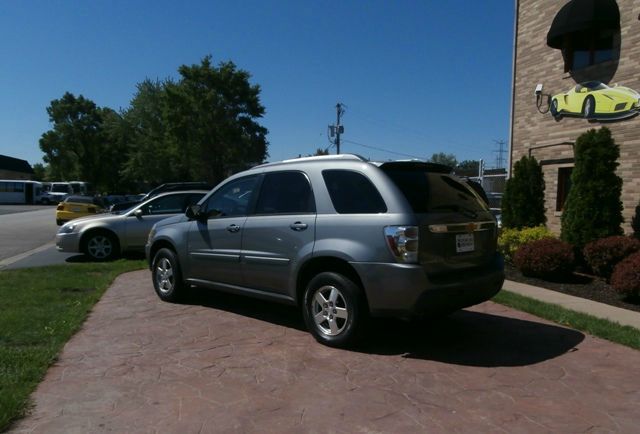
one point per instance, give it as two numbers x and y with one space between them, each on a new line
337 157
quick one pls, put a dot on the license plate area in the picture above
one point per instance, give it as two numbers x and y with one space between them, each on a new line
465 243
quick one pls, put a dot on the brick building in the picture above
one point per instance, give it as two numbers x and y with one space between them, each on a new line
14 168
586 56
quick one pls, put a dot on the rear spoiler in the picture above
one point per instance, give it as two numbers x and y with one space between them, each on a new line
416 165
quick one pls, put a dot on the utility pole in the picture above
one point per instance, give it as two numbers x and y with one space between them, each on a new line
337 129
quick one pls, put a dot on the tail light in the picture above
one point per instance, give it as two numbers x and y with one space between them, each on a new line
403 242
60 207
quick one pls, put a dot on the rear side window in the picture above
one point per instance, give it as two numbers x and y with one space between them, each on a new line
427 191
285 193
352 193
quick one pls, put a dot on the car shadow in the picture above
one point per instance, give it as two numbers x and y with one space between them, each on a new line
465 338
472 339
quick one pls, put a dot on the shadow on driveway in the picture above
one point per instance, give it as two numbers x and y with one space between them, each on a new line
466 337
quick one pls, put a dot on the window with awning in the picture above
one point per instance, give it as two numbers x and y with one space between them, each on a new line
584 30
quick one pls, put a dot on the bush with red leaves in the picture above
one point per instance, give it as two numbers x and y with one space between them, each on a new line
602 255
548 258
626 276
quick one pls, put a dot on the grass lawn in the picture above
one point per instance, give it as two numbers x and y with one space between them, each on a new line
602 328
40 309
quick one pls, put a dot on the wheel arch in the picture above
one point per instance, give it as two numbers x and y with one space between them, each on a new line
95 230
161 244
322 264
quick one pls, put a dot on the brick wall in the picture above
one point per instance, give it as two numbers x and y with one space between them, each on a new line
538 63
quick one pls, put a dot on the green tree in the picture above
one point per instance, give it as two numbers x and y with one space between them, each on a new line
446 159
593 208
39 172
144 131
523 200
469 165
211 115
321 151
75 147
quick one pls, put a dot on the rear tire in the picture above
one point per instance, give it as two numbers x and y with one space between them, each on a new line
166 276
334 309
59 222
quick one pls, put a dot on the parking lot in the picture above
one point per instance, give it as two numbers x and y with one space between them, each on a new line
226 363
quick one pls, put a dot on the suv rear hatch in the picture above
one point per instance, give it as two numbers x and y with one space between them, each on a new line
456 229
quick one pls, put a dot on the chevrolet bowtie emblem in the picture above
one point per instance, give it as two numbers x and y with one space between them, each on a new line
471 227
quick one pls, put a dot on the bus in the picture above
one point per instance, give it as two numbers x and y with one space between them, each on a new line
20 191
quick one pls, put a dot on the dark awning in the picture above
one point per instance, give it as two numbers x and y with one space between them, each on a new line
583 16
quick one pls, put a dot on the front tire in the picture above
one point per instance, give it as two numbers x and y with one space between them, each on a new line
554 108
334 309
167 278
589 108
101 246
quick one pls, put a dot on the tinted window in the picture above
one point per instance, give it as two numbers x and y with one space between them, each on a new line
353 193
231 199
285 193
426 191
173 204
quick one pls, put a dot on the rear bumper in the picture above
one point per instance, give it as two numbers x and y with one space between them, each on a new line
402 290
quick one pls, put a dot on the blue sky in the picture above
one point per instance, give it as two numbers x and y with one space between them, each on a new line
417 77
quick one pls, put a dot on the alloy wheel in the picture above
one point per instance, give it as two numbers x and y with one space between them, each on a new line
164 275
100 247
329 310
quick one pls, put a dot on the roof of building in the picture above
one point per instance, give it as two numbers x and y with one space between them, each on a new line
15 164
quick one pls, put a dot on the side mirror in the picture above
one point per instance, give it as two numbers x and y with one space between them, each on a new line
194 212
138 213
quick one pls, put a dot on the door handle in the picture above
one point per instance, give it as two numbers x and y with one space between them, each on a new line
233 228
298 226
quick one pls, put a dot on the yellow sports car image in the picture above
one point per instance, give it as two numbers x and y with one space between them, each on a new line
77 206
596 100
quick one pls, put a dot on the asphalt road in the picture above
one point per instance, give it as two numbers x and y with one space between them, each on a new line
24 228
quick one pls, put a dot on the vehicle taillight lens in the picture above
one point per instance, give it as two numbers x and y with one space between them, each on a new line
60 207
403 242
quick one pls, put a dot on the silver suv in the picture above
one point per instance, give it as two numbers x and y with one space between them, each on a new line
341 237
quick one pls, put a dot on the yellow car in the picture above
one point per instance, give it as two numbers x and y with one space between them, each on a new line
596 100
73 207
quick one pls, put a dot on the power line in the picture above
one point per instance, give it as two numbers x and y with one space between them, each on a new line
381 149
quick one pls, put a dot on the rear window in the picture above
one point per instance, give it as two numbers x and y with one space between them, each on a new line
427 191
352 193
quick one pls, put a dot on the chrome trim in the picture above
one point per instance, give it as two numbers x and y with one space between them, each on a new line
462 227
265 260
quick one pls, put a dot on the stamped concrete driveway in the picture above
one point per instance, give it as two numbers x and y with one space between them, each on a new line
221 363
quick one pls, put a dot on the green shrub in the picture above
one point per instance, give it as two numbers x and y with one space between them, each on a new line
626 276
602 255
511 240
593 208
548 258
523 200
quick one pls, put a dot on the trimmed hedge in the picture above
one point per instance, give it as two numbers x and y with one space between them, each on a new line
593 209
602 255
548 258
626 276
510 240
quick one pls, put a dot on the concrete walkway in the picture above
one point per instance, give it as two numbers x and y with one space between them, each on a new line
582 305
220 363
